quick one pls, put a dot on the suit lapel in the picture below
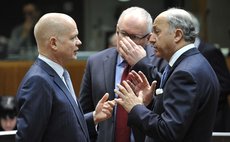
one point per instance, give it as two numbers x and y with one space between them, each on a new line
57 80
109 68
76 107
184 55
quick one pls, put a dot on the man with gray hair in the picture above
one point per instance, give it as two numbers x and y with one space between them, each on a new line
104 70
185 104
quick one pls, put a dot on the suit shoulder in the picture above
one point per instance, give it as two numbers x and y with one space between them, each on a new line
103 53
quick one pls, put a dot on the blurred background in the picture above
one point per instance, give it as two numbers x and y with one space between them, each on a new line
96 20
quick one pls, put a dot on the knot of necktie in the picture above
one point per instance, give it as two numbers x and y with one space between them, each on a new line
125 72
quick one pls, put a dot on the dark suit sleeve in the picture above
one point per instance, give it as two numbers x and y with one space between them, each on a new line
91 126
34 101
219 65
177 114
151 70
86 91
87 102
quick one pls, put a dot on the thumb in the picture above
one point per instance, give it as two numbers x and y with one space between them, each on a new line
153 85
104 98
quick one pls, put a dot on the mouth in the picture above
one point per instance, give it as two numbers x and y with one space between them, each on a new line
75 52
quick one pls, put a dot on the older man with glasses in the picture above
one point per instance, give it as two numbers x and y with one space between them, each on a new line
104 70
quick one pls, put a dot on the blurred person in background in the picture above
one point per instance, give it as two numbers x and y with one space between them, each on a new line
218 62
112 41
8 113
21 43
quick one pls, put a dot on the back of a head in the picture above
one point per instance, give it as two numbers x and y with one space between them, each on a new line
196 23
179 18
8 107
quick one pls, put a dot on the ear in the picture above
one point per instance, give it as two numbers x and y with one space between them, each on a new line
178 35
53 43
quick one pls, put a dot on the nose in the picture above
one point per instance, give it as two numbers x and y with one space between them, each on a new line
78 42
152 38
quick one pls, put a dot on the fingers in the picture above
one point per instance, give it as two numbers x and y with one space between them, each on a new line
118 100
135 77
128 88
120 91
127 45
104 98
108 107
143 77
127 42
131 84
153 85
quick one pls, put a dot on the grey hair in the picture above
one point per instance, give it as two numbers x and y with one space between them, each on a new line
195 22
179 18
138 11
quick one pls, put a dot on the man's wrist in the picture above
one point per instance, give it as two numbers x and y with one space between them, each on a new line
94 118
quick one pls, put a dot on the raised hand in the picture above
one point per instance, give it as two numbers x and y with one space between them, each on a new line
141 86
103 109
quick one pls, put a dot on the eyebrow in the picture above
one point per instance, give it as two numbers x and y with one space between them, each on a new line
137 35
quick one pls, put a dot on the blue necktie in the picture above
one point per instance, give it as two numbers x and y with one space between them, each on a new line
69 84
165 75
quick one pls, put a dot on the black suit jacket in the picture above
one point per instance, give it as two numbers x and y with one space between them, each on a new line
99 78
219 65
47 111
185 111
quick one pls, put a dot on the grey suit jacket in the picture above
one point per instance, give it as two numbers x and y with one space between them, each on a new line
47 111
185 111
99 78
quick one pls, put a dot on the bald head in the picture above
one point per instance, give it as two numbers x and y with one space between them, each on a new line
51 24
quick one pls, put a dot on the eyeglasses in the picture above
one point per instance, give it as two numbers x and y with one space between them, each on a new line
131 36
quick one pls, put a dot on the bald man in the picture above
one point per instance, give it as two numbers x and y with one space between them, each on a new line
48 111
185 106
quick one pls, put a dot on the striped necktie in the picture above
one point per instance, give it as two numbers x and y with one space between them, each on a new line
69 84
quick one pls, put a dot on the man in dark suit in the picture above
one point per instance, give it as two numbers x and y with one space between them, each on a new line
48 108
217 60
104 69
219 65
186 102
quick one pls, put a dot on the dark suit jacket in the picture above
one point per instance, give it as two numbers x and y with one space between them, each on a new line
99 78
47 111
219 65
185 111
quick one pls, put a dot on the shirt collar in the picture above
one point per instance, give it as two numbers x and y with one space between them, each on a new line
178 53
58 68
120 60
